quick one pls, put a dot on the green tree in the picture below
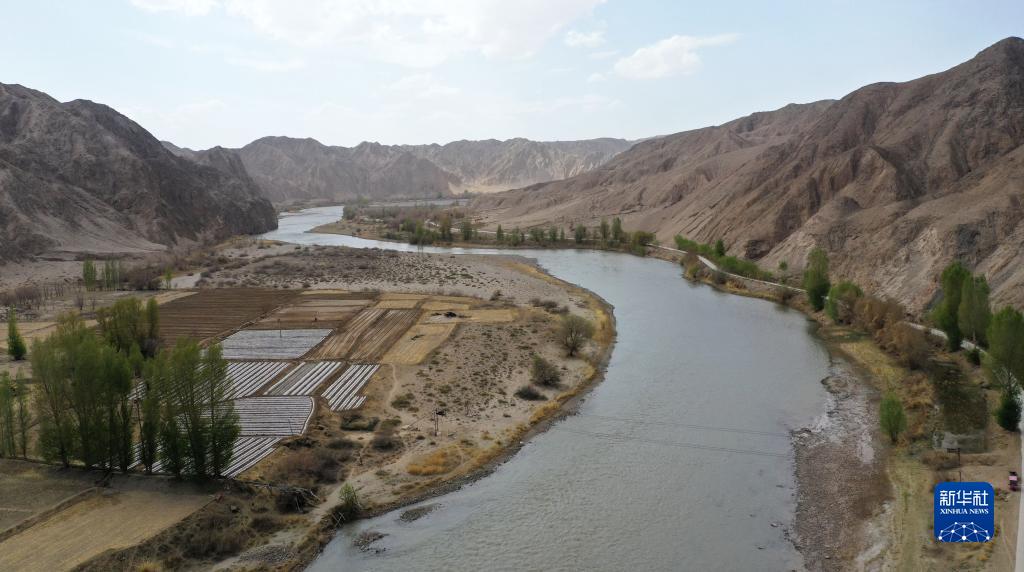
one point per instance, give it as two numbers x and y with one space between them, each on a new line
605 231
89 274
974 313
15 343
187 392
125 324
445 228
499 235
168 278
537 234
7 439
892 417
947 313
841 299
1006 342
617 232
574 332
55 425
816 280
719 248
561 234
1009 410
552 235
155 372
224 425
579 233
23 412
467 229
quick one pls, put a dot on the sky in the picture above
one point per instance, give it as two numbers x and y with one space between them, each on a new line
202 73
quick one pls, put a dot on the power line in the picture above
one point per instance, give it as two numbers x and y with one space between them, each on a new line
624 438
687 425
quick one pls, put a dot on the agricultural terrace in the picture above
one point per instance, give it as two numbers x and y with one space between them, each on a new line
391 393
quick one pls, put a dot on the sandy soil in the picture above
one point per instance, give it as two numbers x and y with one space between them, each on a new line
128 512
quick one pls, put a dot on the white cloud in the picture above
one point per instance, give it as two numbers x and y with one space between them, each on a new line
187 7
266 65
422 85
577 39
676 55
414 33
604 54
597 78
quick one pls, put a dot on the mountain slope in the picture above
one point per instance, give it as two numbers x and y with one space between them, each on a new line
289 169
894 181
491 165
80 177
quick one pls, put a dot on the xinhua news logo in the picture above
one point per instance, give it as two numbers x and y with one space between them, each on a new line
964 512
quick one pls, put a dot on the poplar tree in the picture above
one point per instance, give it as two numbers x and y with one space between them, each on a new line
947 313
974 313
55 424
89 274
23 415
15 343
7 440
1006 344
816 281
499 235
580 233
605 231
149 412
617 230
224 426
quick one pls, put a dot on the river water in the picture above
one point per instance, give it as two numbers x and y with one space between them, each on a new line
679 460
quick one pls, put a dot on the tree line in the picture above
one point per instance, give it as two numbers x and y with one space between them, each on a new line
109 397
963 312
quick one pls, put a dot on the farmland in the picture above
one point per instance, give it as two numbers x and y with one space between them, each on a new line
212 313
333 385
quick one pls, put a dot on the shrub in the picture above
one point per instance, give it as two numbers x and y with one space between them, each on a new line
909 344
842 299
357 422
528 393
384 439
782 295
1008 413
892 417
545 373
350 505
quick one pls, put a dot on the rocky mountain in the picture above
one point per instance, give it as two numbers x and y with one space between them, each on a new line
894 180
492 165
80 177
289 169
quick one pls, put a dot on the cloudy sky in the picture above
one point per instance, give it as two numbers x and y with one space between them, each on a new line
224 72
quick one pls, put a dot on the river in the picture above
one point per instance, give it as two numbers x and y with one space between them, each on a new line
679 460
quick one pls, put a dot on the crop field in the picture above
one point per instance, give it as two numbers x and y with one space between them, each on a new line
272 344
93 525
376 340
212 312
249 451
397 304
417 343
247 377
274 416
340 343
313 314
484 315
442 306
305 379
342 394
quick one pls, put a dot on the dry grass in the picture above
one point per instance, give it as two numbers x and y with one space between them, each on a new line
417 343
436 462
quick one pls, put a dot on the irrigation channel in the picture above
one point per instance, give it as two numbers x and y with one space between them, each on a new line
681 459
